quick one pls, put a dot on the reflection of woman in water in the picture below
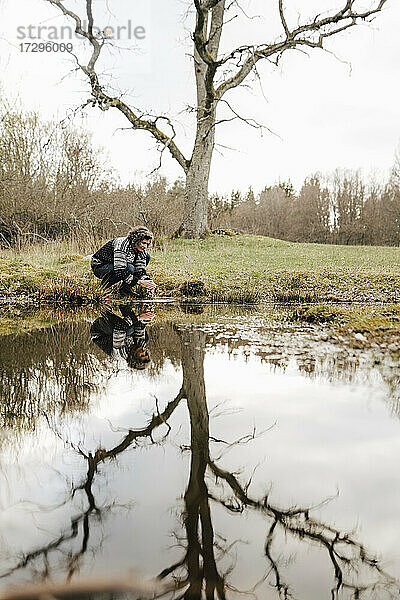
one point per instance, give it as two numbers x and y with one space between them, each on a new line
125 337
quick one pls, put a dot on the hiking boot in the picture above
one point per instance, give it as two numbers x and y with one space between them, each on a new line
126 311
125 290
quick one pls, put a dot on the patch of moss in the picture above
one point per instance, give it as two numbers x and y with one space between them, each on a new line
226 232
70 258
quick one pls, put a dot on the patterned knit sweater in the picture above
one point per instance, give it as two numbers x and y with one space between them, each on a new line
115 336
119 252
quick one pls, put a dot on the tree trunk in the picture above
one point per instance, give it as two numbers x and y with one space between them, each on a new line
195 222
200 558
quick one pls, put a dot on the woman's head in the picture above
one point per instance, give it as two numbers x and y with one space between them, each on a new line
138 357
140 238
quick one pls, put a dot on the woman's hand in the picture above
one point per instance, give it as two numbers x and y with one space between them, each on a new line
148 284
147 316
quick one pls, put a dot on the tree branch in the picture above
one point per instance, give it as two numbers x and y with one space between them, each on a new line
297 521
303 35
104 100
283 19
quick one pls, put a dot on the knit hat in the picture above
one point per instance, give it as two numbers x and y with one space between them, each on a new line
138 234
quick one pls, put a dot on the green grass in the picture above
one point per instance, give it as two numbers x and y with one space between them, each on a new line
271 254
268 269
241 269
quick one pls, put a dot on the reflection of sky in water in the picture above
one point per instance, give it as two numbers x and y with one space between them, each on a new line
327 438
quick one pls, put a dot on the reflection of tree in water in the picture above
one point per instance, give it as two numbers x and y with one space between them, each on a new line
198 574
199 560
79 529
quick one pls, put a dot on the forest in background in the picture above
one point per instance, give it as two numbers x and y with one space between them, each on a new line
56 184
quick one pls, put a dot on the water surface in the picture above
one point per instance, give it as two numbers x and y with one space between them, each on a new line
250 455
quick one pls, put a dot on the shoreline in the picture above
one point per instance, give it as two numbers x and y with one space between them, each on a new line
336 288
239 270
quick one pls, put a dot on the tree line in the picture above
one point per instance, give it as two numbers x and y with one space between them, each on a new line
56 184
341 208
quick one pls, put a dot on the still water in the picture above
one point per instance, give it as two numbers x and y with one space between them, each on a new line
228 453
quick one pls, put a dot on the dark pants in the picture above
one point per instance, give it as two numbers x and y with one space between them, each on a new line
107 274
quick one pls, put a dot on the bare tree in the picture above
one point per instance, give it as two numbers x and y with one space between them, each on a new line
309 217
347 200
216 74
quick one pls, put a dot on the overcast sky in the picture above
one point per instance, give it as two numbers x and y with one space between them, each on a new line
325 110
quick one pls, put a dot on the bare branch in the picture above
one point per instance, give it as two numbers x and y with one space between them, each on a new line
311 34
217 23
249 121
283 19
241 75
200 34
103 100
298 522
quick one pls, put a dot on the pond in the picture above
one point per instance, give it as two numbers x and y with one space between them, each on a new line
227 451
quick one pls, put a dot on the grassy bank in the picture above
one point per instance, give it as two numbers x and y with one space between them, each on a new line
233 269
